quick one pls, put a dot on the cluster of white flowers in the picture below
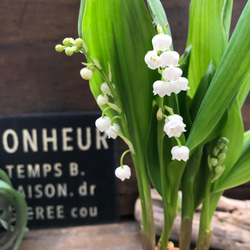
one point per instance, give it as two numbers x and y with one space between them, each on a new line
174 127
162 58
104 124
166 62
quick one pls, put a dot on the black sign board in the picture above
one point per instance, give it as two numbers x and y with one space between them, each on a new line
62 165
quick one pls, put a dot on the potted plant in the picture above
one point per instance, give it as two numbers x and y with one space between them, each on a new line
13 214
179 115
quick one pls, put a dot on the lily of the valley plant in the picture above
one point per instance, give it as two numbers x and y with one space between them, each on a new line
179 115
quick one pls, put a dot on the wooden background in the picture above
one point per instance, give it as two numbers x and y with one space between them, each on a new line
36 79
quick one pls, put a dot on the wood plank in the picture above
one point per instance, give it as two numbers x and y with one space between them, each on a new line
119 236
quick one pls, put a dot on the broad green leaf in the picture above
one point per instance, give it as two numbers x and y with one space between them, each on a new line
113 38
240 173
189 184
234 131
159 152
202 89
158 15
152 155
209 23
231 73
244 91
185 61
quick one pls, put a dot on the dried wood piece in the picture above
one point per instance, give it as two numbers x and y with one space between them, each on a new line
231 223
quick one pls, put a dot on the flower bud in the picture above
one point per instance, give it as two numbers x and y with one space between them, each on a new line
224 150
59 48
69 51
105 89
159 114
216 151
68 41
221 145
123 172
78 42
86 73
219 169
102 100
221 157
213 162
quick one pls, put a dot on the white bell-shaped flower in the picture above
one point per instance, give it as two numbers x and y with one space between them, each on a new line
171 73
113 131
103 123
180 153
102 100
181 84
152 59
169 58
161 42
86 74
162 88
123 172
174 126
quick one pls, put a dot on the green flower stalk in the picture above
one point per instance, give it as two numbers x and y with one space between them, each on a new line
180 116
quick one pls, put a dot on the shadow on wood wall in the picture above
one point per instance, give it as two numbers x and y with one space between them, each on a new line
36 79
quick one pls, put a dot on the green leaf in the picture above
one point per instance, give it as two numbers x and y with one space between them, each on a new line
209 23
80 17
240 173
234 132
152 155
244 91
185 60
231 73
158 15
120 34
202 89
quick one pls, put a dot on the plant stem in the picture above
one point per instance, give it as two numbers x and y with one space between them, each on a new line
168 216
147 230
185 233
188 199
205 230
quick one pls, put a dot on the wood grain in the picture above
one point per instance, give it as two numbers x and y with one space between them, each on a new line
119 236
231 227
